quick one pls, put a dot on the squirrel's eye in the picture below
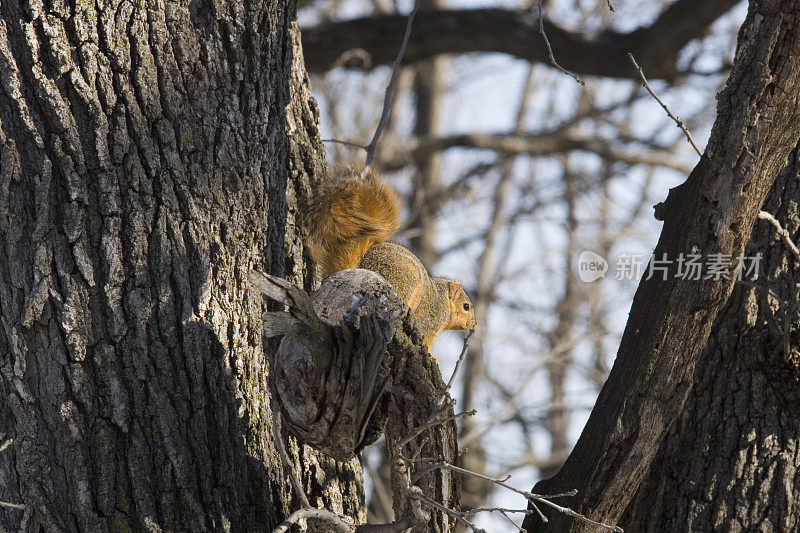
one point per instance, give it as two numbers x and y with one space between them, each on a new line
466 307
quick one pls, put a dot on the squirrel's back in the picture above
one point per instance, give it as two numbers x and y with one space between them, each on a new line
348 216
401 268
438 303
349 220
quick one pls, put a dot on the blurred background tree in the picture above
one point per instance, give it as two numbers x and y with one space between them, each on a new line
510 169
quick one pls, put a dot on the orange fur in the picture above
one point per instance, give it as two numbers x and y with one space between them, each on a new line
348 221
348 216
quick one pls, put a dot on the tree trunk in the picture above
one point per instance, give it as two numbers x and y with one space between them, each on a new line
151 154
713 212
731 463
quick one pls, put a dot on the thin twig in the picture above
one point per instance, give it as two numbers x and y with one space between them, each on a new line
569 512
345 143
550 49
677 120
287 463
402 473
419 516
568 494
610 6
505 512
443 464
470 512
434 420
458 364
387 99
342 524
460 516
10 505
782 232
339 522
542 517
531 497
398 526
428 423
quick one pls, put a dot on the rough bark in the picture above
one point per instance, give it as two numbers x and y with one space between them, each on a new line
151 154
656 47
731 463
711 213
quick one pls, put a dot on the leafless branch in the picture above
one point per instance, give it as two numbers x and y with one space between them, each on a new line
458 363
505 512
435 419
475 30
458 515
387 100
549 143
287 463
345 143
550 49
534 498
677 120
782 232
12 505
398 526
338 522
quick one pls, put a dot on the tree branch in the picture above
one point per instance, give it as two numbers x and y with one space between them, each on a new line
547 143
782 233
459 32
676 119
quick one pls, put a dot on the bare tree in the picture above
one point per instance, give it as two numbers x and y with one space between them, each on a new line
151 156
670 320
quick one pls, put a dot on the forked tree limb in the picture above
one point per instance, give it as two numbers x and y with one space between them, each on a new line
758 124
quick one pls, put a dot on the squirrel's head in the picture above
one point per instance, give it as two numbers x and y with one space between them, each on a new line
462 313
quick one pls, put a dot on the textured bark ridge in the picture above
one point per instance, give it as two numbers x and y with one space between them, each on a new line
732 461
351 364
151 154
713 212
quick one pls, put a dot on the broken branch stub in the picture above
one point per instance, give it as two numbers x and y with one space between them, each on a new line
331 372
353 364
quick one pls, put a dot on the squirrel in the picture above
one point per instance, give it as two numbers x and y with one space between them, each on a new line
349 221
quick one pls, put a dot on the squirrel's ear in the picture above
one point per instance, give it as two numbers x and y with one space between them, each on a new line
455 288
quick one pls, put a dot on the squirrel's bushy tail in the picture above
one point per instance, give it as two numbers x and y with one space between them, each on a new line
349 215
